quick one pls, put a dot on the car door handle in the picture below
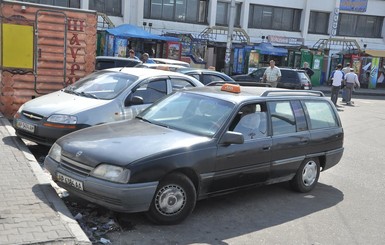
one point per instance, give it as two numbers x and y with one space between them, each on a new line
304 141
266 148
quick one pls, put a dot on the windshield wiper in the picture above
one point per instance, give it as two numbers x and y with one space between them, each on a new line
88 95
143 119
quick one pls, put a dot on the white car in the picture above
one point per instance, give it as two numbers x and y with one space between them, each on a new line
103 96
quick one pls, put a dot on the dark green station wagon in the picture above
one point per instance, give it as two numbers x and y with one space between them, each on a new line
198 143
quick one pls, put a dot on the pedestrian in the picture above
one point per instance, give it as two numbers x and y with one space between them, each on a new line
308 70
337 78
146 59
351 80
132 55
345 70
272 74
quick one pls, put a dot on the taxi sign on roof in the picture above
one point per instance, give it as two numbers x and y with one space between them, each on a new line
233 88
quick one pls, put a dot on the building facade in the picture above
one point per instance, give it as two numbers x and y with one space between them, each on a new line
294 25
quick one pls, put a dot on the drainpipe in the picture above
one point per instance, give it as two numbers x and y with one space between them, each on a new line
230 37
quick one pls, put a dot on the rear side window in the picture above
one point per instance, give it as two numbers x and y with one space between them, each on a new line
282 117
321 115
178 83
289 76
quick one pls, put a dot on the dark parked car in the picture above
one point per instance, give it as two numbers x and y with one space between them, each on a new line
197 143
206 76
291 79
105 62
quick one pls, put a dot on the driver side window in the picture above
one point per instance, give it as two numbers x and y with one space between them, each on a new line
251 121
151 91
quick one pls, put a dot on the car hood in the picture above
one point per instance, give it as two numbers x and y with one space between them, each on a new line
61 103
124 142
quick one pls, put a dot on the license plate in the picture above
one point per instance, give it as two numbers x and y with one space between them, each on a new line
70 181
25 126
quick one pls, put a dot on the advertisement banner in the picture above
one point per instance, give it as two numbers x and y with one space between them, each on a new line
374 72
120 47
354 5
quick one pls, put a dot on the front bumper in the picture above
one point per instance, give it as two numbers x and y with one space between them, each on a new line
128 198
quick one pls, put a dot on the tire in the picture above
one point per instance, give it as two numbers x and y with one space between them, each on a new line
307 176
173 201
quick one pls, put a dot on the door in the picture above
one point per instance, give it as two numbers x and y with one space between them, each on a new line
248 163
51 51
290 137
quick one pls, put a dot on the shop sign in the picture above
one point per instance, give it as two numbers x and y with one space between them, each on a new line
75 27
354 5
285 40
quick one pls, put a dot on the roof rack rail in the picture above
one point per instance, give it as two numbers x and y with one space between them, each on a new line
293 92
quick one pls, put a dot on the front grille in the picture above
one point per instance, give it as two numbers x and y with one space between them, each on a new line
32 116
75 166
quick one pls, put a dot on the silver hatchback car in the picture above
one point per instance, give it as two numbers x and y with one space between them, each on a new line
103 96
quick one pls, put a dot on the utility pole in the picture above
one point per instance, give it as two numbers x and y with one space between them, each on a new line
230 37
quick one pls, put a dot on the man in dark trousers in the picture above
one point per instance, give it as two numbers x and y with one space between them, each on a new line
337 77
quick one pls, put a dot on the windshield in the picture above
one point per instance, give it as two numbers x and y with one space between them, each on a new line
197 114
101 85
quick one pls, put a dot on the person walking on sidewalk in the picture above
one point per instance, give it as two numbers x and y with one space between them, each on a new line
272 74
337 77
351 80
345 70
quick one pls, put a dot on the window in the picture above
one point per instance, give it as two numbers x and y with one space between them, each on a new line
152 91
191 11
251 121
276 18
318 23
360 25
179 83
61 3
320 114
109 7
223 14
282 117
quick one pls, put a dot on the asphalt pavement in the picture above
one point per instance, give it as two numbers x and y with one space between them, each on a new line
31 211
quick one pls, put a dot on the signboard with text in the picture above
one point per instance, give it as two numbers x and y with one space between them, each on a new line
354 5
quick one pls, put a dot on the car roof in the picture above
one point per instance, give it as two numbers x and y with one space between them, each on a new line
200 70
145 72
115 58
170 61
250 93
166 67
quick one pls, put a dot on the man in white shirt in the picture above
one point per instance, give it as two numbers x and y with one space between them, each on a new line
351 80
337 77
272 74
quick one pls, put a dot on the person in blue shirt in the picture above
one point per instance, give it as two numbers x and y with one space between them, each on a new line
146 59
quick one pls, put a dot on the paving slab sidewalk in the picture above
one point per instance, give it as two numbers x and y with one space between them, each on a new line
31 211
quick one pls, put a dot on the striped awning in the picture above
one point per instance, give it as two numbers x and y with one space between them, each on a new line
375 53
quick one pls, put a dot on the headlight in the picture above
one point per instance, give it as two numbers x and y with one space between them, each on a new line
55 152
64 119
111 173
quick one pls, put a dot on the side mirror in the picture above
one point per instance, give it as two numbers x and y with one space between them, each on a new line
136 100
231 137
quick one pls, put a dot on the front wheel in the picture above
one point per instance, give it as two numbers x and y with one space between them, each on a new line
307 176
173 201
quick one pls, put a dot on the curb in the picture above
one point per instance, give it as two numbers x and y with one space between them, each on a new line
45 183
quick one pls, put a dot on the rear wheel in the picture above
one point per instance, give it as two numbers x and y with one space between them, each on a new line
307 176
173 201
